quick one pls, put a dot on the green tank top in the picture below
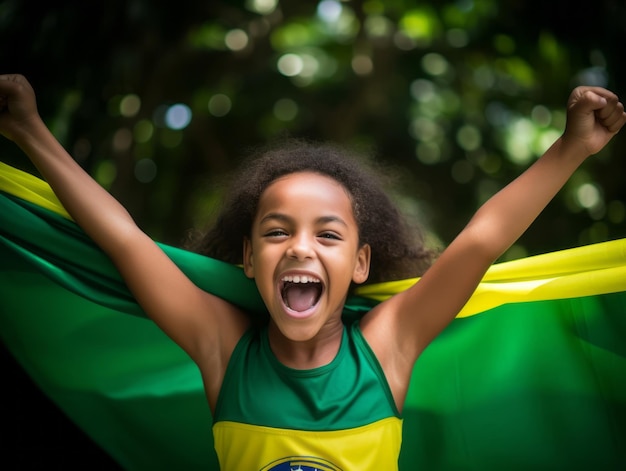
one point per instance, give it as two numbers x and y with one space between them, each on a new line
340 416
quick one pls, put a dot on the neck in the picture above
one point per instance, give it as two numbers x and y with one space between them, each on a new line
307 354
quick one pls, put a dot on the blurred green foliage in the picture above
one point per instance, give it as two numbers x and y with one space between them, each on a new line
160 100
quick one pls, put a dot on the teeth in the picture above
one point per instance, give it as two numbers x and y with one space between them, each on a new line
300 279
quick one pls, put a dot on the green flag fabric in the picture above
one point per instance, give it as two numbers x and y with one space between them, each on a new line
531 374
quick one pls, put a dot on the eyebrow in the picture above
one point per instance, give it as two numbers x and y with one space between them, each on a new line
287 219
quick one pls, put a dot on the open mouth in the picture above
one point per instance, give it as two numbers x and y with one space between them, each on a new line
300 292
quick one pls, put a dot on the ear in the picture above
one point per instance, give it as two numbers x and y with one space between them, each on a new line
248 267
362 267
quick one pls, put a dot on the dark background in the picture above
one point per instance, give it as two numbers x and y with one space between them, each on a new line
497 61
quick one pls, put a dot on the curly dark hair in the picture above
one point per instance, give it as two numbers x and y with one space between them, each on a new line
397 251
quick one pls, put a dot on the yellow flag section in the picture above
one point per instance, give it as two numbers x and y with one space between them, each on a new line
531 374
583 271
29 188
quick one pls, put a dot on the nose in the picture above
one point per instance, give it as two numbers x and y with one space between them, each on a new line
301 247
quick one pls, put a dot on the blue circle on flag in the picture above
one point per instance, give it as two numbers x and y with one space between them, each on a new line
301 463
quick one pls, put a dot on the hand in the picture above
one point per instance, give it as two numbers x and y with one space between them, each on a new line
594 116
18 106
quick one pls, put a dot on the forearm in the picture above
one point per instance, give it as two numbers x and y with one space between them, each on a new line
102 217
507 215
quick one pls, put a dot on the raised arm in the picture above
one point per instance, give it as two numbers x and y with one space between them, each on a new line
419 314
203 325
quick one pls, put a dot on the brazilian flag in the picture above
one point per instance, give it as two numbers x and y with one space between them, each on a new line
530 375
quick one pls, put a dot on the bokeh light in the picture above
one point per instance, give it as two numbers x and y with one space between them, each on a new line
178 116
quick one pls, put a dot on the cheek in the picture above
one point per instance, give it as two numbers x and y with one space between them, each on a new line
264 259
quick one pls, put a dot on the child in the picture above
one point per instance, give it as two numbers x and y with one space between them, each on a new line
303 225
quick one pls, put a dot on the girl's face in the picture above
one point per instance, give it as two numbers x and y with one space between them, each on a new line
304 253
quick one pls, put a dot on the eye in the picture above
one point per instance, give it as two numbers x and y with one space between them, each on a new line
275 233
329 236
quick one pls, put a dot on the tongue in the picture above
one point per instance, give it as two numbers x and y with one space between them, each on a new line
301 296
